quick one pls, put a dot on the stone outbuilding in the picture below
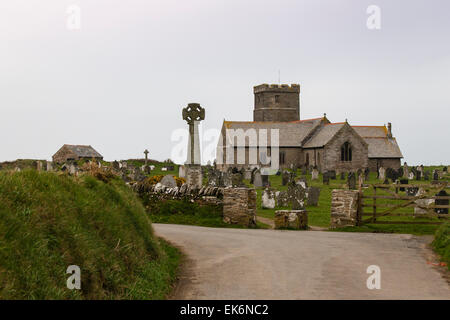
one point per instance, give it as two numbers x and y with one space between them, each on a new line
76 152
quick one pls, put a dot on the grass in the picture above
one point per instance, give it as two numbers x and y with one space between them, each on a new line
49 221
441 243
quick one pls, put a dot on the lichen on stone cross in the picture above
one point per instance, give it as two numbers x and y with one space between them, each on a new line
193 112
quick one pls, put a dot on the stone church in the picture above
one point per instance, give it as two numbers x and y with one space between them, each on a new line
314 142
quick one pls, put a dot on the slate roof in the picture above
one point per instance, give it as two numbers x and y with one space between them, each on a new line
380 145
291 133
324 135
83 151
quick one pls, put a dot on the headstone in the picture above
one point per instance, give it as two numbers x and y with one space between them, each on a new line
442 202
297 195
405 170
181 171
313 194
422 204
265 180
366 174
435 175
237 180
39 166
411 176
314 174
170 168
332 174
302 182
419 175
412 191
326 178
49 166
257 179
226 180
168 181
403 181
285 178
381 173
361 179
282 199
351 180
342 175
426 175
248 174
268 199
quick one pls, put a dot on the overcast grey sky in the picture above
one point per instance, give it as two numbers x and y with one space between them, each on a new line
119 83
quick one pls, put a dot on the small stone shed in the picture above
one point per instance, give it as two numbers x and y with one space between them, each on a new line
76 152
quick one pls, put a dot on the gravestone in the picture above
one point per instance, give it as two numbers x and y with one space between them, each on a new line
381 173
342 175
168 181
405 170
332 174
435 175
361 179
257 179
237 180
426 175
442 202
282 199
412 191
265 180
403 181
313 194
422 204
411 176
268 199
351 180
49 166
314 174
226 180
248 174
39 166
296 194
302 182
419 175
366 173
326 178
285 178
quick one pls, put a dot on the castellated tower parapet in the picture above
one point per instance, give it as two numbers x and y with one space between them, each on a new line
277 102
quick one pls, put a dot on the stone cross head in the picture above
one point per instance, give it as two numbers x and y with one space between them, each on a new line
193 112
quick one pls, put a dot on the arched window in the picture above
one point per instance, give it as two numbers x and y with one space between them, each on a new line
346 152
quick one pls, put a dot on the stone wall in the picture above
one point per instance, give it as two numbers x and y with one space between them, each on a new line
239 206
393 163
344 208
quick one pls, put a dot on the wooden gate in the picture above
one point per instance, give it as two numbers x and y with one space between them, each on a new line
396 204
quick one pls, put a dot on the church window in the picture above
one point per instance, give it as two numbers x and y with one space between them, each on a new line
346 152
282 157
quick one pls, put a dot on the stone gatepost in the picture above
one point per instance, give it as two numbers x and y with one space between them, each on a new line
291 219
239 206
344 208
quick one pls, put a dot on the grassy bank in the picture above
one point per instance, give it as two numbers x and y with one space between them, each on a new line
50 221
441 243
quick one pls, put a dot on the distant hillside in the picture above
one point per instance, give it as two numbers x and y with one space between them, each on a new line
49 221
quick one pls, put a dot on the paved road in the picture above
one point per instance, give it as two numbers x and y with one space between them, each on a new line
273 264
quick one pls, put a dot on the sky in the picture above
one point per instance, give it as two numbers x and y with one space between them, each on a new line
119 79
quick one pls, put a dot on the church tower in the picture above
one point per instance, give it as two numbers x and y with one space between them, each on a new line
277 102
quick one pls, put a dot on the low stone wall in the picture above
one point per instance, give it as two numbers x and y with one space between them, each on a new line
291 219
344 208
239 206
158 192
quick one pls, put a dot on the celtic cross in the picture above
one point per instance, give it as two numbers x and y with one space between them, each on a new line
193 114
